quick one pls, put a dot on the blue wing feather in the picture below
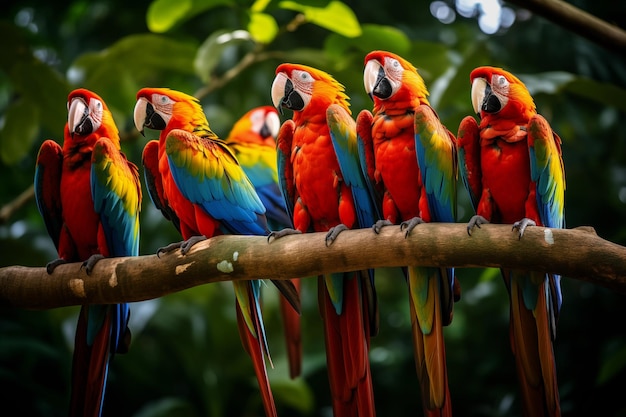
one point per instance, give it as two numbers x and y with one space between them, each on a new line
436 156
116 195
548 173
437 160
343 135
207 174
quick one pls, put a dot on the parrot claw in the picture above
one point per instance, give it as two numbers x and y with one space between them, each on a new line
409 225
188 244
168 248
522 224
52 265
282 233
377 227
90 263
334 232
475 221
184 245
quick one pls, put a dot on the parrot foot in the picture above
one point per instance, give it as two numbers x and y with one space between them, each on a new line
475 221
282 233
409 225
184 245
52 265
334 232
90 263
522 224
377 227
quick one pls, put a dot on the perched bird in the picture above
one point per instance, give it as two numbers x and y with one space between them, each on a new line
195 179
253 141
321 198
411 163
512 166
89 196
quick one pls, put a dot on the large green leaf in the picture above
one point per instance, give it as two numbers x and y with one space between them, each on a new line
20 130
335 16
210 52
38 95
373 37
262 27
555 82
131 63
604 93
162 15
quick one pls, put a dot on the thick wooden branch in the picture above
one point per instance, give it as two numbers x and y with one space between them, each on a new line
575 253
578 21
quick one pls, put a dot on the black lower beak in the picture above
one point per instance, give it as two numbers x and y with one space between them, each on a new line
153 119
382 89
291 100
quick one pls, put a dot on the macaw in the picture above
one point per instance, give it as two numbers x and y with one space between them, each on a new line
89 196
511 164
253 141
194 178
321 197
411 163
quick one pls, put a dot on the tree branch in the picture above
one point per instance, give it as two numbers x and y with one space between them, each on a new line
575 253
578 21
11 207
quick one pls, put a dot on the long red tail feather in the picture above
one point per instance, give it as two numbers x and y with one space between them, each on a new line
293 336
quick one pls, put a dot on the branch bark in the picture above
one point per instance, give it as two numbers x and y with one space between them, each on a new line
575 253
578 21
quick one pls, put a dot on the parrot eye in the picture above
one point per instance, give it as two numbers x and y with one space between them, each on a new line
163 100
500 81
305 76
97 104
395 63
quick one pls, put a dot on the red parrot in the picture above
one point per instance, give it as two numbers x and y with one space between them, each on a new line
197 182
89 196
411 162
253 141
320 197
512 166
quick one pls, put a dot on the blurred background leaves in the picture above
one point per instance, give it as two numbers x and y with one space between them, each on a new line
186 358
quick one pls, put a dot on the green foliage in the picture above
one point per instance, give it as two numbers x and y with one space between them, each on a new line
334 16
186 357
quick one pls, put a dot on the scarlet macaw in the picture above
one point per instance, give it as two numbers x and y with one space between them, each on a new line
89 196
321 197
411 163
253 141
512 166
195 179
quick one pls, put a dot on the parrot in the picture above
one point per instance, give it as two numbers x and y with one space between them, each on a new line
89 196
511 164
411 163
253 141
194 178
321 197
